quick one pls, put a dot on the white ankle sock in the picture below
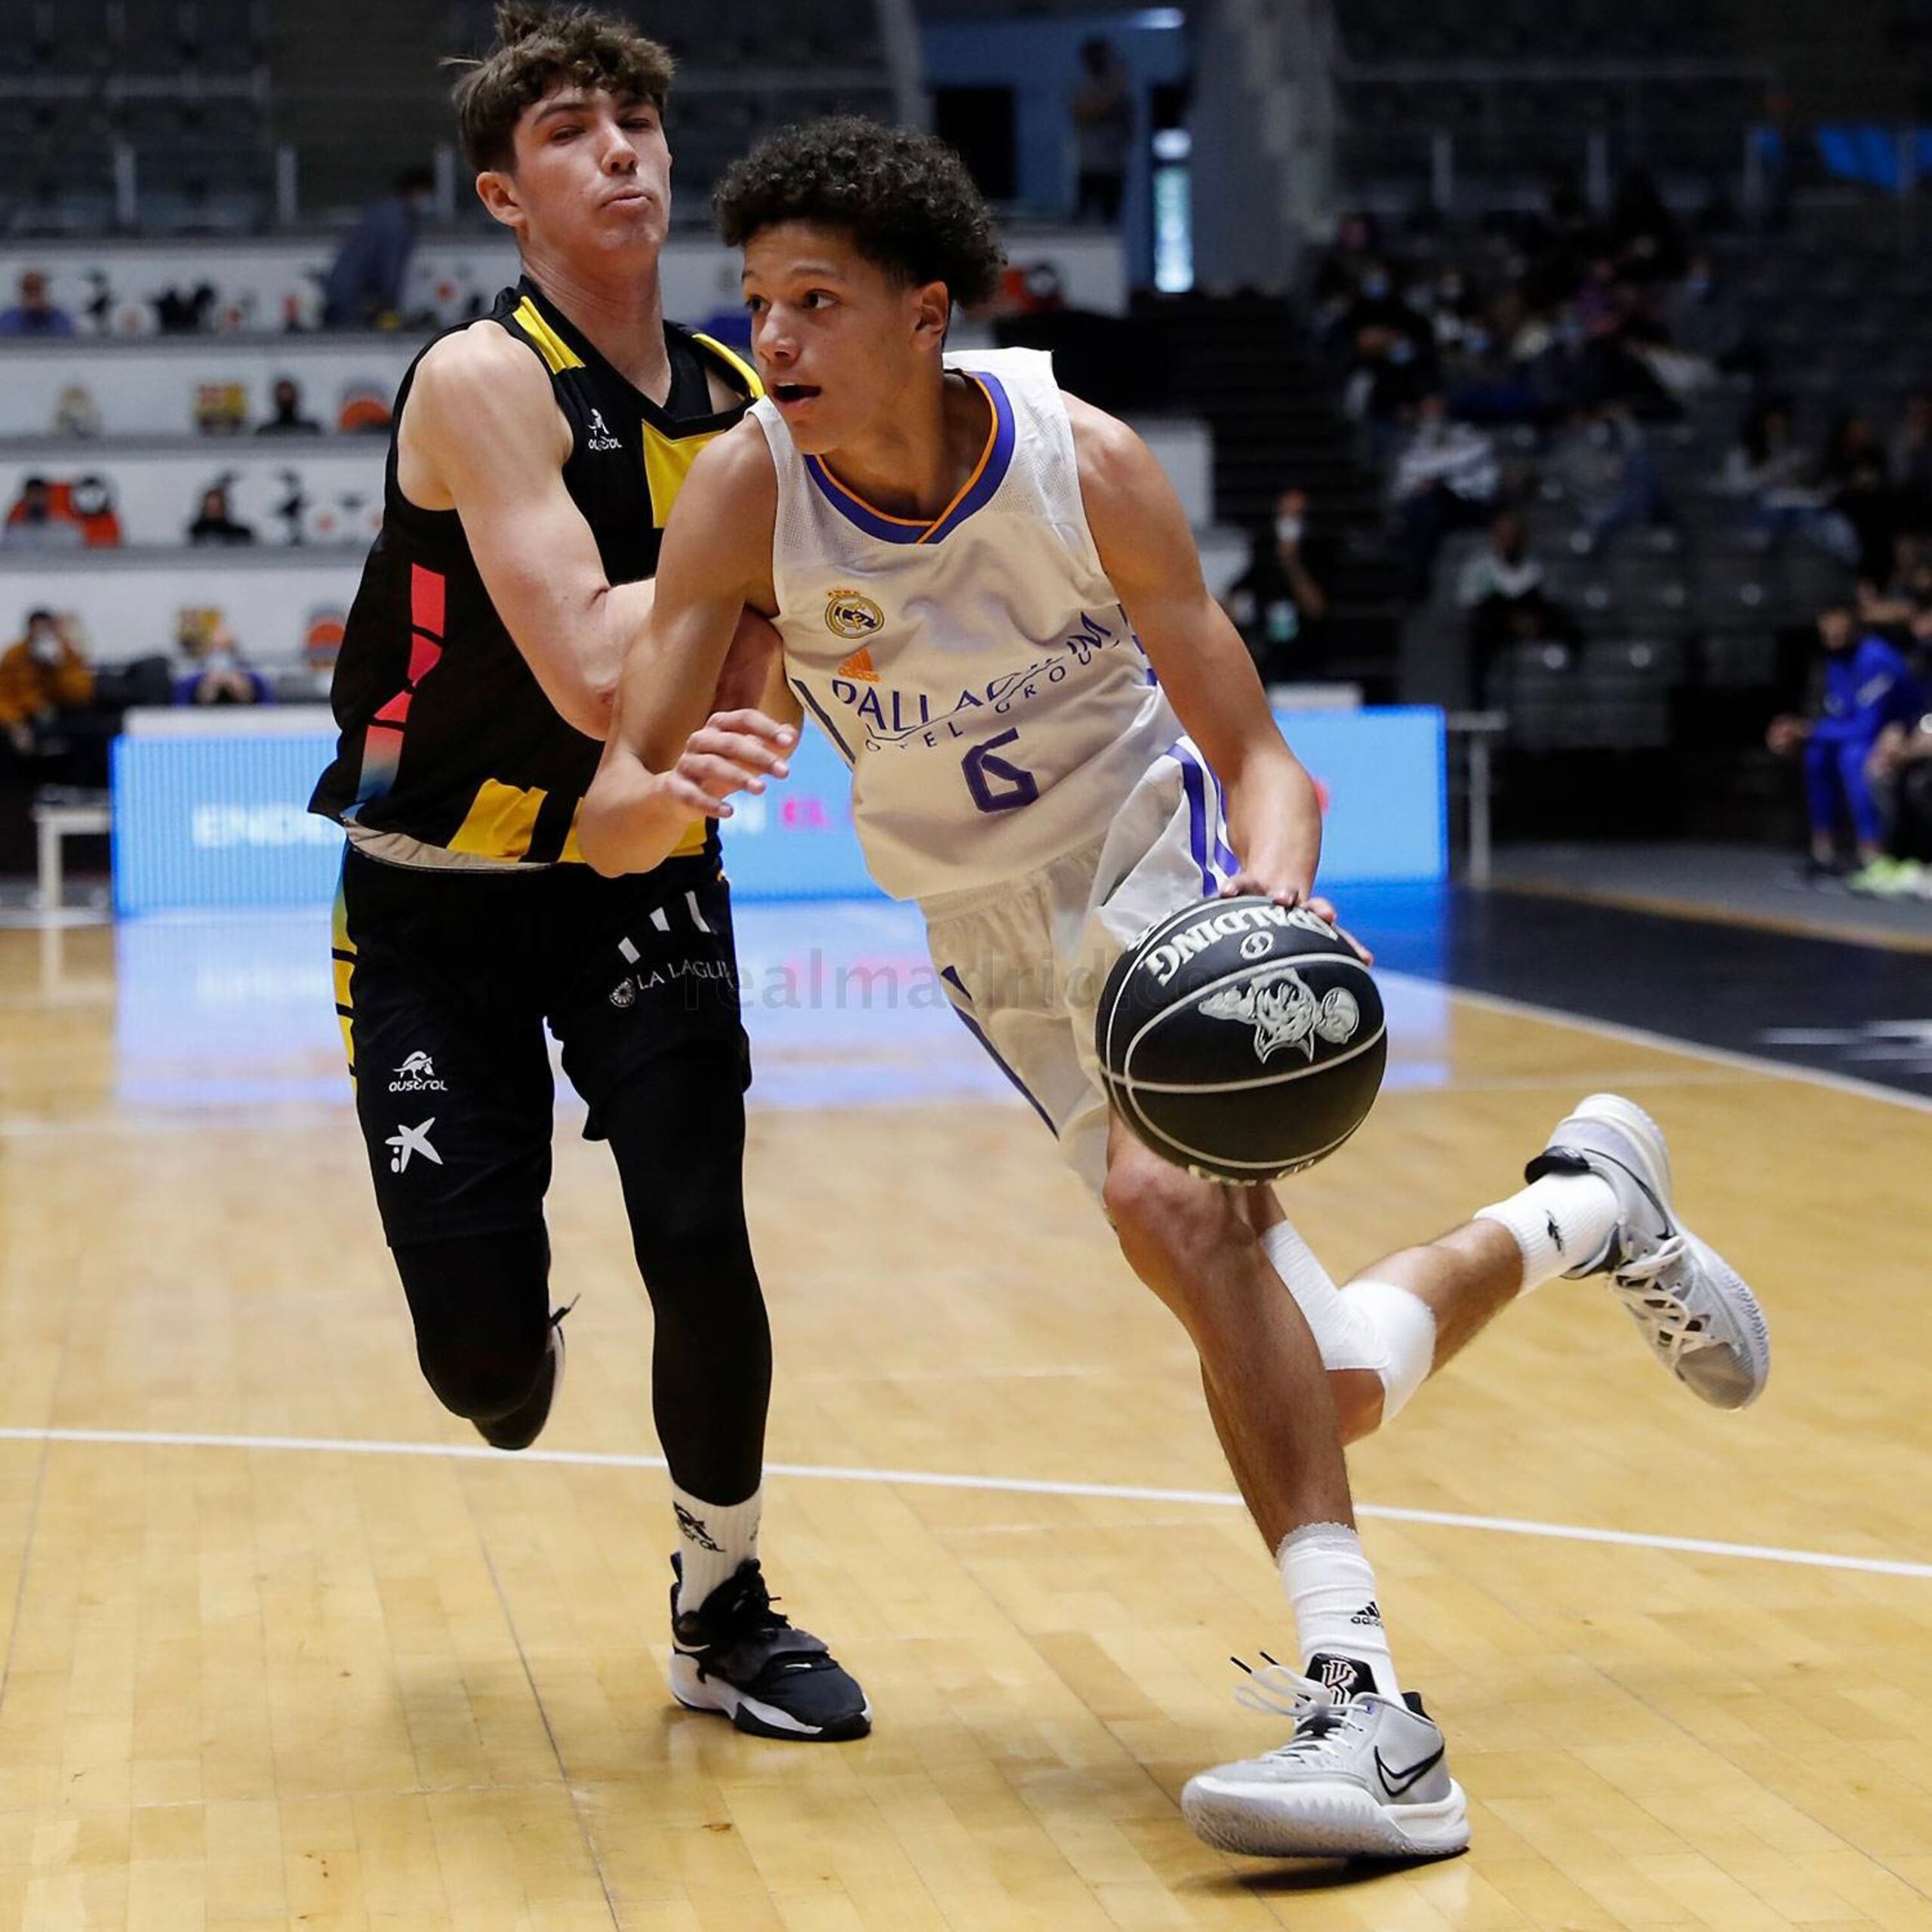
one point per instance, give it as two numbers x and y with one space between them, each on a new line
1559 1223
713 1540
1333 1591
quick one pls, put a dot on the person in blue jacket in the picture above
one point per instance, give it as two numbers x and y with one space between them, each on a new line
1869 685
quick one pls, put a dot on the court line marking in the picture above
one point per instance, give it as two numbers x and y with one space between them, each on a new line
1670 1043
1811 1559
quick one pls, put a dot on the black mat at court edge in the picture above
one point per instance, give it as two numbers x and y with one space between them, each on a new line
1856 1011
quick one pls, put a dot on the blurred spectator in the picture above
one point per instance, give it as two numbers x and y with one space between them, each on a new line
34 313
364 286
1279 602
1911 461
1707 324
76 412
1103 111
1893 605
1648 242
1901 773
36 523
44 678
289 420
222 677
1868 686
1774 474
1388 346
1502 588
177 313
1338 275
1447 477
1859 478
1608 467
215 522
1453 310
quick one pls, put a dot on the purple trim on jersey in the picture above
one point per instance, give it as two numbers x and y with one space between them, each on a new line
1224 852
951 975
1194 782
817 711
998 459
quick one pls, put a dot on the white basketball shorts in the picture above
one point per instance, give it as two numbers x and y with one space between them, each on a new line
1024 962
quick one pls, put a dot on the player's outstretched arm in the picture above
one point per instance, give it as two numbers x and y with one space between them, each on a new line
671 756
482 434
1148 552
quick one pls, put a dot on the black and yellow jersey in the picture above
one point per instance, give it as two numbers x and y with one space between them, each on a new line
447 741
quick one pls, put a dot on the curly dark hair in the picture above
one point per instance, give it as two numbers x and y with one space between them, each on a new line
538 49
905 199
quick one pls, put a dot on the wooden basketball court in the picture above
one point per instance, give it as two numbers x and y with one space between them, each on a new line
285 1647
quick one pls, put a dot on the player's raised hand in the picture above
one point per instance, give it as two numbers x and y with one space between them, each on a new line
732 751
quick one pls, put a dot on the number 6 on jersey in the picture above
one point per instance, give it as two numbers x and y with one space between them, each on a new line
984 772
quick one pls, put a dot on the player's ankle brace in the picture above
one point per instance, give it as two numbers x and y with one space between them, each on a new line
1371 1325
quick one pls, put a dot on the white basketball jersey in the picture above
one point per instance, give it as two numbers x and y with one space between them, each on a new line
977 673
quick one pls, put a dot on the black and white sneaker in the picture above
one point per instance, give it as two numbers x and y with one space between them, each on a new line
524 1423
738 1656
1699 1317
1362 1775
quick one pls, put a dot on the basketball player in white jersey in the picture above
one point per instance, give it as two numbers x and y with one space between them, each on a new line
978 581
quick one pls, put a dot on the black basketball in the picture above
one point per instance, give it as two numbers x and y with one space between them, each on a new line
1241 1039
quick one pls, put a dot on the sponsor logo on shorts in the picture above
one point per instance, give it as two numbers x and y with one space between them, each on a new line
1284 1012
1250 921
624 993
408 1142
417 1075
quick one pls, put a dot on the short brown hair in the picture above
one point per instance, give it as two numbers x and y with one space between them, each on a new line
538 51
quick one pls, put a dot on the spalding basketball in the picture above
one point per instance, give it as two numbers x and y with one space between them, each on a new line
1241 1039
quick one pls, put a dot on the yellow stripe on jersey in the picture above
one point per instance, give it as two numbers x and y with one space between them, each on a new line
746 373
688 847
343 948
667 462
501 822
558 355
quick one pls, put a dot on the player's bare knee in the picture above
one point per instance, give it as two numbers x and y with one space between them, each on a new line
1169 1223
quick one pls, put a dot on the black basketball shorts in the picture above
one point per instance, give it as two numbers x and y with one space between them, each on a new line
445 982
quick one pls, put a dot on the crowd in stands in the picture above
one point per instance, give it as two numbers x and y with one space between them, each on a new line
1548 360
59 710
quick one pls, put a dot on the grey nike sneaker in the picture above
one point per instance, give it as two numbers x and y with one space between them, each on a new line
736 1655
1362 1777
1701 1320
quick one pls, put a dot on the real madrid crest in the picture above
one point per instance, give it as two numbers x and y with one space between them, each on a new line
850 613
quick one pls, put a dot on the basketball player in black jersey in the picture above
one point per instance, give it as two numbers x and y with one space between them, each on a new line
533 462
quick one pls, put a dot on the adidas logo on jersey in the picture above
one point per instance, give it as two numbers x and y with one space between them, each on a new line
859 665
597 434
